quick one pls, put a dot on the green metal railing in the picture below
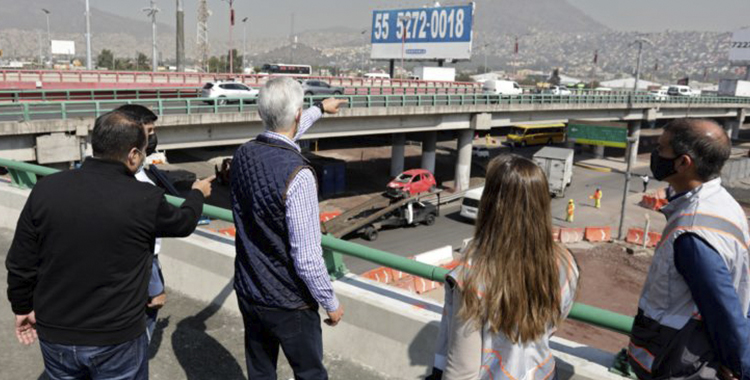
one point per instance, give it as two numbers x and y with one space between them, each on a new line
24 175
30 111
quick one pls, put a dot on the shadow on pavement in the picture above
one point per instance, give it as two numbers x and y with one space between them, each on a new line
421 349
200 355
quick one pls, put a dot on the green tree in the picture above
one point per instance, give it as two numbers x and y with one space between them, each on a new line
105 59
141 62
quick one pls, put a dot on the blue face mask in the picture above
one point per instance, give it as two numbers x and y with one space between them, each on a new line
662 167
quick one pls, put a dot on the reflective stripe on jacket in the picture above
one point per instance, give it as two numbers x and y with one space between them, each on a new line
668 328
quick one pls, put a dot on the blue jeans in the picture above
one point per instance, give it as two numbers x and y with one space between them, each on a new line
124 361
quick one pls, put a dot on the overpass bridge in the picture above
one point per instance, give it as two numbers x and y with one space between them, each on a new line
55 132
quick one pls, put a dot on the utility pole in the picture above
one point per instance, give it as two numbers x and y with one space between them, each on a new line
640 41
49 35
484 47
231 26
364 50
89 63
180 37
292 41
41 49
244 43
151 12
202 34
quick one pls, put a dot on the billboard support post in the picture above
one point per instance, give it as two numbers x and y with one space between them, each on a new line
392 68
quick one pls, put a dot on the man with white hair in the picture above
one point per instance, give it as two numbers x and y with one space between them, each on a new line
280 276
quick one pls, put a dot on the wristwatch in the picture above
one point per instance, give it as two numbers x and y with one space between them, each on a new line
320 105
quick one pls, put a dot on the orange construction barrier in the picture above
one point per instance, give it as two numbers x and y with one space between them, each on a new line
635 236
571 235
228 231
382 274
597 234
422 285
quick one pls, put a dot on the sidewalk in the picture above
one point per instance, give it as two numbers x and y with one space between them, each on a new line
192 340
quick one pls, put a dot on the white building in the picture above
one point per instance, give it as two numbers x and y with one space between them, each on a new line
627 84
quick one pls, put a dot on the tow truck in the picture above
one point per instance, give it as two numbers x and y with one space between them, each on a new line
382 211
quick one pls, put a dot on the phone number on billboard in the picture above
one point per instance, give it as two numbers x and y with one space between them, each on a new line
447 24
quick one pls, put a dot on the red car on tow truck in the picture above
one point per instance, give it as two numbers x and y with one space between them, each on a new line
412 182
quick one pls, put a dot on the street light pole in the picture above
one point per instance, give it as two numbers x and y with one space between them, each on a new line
244 43
639 42
49 35
484 47
180 48
364 49
152 11
231 26
89 63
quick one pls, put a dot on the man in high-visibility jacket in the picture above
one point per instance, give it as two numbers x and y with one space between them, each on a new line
597 197
692 315
571 211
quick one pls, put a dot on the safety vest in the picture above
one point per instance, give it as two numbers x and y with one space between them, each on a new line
598 194
668 327
571 208
501 358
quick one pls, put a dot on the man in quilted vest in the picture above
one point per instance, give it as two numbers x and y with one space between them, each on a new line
280 277
692 315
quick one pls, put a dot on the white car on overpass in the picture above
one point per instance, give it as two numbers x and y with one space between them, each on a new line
230 91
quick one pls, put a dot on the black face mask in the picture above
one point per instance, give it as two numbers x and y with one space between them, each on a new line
662 167
152 142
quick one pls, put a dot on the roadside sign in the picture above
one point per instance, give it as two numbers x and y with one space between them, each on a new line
598 133
423 33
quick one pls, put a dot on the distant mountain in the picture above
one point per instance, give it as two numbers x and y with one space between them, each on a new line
67 16
519 16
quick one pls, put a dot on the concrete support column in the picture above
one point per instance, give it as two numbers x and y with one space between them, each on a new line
429 144
634 130
599 151
463 161
397 154
733 127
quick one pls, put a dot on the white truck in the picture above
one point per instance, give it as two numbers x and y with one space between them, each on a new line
501 87
447 74
734 87
557 164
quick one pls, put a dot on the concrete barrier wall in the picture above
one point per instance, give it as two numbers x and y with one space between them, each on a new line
387 329
735 169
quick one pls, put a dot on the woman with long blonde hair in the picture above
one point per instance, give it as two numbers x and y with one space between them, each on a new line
514 287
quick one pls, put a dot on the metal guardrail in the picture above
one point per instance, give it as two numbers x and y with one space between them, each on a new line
29 111
24 175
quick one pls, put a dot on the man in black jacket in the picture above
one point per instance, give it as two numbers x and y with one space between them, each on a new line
79 264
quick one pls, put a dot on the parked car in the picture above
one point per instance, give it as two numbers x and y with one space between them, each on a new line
318 87
225 92
557 90
680 90
412 182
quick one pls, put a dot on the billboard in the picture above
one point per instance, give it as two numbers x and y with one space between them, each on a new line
423 33
739 48
598 133
63 47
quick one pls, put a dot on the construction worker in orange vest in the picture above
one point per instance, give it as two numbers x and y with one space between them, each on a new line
597 197
571 211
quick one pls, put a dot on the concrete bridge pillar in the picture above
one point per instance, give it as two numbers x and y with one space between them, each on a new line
429 144
733 125
463 161
599 151
634 130
397 154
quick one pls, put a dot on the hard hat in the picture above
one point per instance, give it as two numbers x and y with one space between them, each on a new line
570 201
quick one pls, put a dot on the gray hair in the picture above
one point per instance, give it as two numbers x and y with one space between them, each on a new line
278 103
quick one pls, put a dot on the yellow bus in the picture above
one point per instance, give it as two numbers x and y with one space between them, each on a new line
536 134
